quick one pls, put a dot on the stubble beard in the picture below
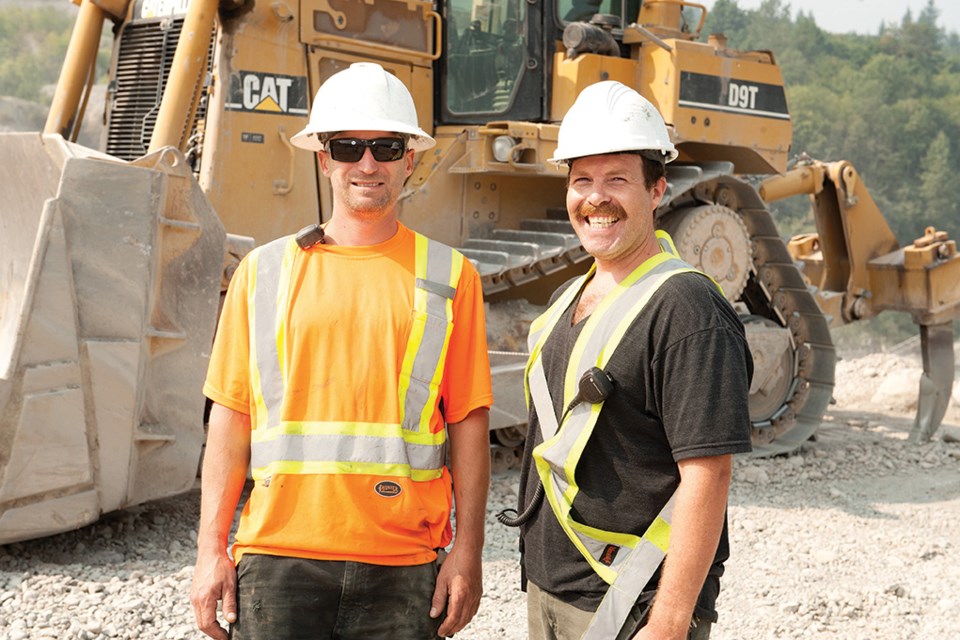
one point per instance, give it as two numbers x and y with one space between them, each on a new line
367 207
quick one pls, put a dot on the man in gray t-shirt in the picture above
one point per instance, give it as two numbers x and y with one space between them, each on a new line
671 378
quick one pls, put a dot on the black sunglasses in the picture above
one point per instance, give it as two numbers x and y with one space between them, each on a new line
352 149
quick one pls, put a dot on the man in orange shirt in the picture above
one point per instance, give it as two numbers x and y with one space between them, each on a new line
349 361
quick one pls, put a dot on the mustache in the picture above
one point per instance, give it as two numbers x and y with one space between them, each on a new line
606 209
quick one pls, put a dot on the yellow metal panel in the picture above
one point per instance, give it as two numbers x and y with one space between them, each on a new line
721 105
398 29
570 77
259 184
929 290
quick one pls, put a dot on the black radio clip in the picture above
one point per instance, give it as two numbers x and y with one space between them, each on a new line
595 385
310 236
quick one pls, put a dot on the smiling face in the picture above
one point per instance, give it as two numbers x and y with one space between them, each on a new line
611 209
366 189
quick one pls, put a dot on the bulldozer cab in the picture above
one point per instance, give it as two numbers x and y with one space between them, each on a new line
492 66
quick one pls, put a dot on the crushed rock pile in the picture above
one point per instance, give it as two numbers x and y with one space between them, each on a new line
854 536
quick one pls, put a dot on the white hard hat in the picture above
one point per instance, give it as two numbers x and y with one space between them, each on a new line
610 117
363 97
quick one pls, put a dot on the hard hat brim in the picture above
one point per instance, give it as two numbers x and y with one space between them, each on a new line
669 155
307 139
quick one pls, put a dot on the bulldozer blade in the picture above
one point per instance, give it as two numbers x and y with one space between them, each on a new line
936 383
109 285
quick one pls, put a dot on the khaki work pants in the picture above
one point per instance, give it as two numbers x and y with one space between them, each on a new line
549 618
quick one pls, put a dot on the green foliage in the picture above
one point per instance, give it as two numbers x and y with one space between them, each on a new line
889 103
32 46
938 181
33 43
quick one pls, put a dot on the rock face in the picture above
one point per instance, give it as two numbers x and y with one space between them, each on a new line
853 537
23 115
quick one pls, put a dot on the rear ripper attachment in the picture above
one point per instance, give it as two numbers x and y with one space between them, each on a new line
857 275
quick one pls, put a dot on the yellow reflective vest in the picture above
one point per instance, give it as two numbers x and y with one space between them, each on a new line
624 561
407 449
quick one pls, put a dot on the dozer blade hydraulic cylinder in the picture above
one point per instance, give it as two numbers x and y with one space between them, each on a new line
109 286
936 383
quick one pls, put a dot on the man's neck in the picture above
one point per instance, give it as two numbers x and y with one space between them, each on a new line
607 276
355 231
618 269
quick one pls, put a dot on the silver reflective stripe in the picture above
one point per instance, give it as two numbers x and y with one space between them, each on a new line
540 395
633 575
346 448
430 351
548 319
442 290
263 332
540 329
666 243
557 453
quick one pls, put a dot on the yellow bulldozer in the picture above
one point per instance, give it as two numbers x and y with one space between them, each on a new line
113 260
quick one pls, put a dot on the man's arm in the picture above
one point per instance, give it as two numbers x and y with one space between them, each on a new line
225 463
460 581
694 534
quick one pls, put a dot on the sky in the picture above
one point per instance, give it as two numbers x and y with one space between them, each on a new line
861 16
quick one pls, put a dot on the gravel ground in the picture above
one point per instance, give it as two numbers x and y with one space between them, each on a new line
854 537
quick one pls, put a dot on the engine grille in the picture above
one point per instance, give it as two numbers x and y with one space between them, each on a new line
142 68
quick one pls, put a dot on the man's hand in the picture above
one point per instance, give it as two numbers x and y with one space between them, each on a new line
649 633
460 581
214 578
698 517
459 587
224 473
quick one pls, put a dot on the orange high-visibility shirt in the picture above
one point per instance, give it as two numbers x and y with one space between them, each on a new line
347 329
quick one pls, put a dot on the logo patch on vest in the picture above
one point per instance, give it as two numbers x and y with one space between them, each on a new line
609 554
388 489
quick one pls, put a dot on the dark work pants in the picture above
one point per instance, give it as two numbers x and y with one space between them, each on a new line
282 598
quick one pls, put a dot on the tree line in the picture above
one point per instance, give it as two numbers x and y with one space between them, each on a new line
887 102
33 43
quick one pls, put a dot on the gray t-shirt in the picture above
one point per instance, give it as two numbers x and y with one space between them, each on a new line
682 377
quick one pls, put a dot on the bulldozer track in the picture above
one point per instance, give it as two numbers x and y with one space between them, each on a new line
541 246
778 285
776 290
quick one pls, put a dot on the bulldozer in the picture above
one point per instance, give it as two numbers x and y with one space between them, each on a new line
113 260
